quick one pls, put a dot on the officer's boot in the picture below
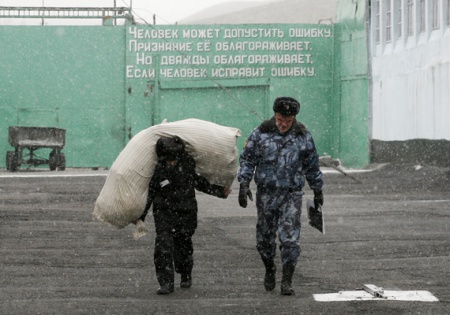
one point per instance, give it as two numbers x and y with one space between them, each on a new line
269 278
286 281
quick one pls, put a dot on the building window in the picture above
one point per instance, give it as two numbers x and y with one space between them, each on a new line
436 17
422 16
410 17
388 21
377 21
400 18
448 12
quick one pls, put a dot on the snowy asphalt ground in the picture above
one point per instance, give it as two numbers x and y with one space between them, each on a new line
389 227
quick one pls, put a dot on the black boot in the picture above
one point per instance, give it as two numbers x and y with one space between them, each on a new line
165 289
269 278
165 278
186 281
286 281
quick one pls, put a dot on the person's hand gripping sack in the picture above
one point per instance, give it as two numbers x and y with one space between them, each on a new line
318 199
244 192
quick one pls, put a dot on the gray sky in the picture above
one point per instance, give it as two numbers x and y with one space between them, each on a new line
167 11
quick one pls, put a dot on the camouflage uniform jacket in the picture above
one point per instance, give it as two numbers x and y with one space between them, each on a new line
280 161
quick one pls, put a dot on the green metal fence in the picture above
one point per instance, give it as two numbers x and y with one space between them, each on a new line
104 84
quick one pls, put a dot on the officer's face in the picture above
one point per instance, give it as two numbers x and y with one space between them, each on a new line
283 123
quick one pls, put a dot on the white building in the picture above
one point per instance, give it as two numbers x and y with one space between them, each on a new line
410 79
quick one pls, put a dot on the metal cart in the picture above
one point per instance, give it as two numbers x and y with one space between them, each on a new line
34 138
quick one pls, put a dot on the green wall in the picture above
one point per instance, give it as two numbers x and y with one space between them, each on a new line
230 74
69 77
351 84
104 84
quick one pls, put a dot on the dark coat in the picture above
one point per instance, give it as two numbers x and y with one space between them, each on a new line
173 188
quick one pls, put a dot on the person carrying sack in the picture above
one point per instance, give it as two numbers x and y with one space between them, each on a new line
172 193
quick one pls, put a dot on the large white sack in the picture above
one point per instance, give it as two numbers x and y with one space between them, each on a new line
124 194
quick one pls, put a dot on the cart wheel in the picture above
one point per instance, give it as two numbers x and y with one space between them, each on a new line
52 161
11 161
61 162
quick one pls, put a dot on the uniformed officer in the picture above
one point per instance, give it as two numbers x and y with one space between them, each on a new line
280 154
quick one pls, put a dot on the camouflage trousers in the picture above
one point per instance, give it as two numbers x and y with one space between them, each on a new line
279 213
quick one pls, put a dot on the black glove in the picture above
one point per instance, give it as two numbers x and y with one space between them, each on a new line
244 191
318 199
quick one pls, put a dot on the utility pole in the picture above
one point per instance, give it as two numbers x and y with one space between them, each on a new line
42 22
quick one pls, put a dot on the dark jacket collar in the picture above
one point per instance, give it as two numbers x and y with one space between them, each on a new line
269 126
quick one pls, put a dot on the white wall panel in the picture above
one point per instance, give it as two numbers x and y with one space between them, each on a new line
411 92
411 79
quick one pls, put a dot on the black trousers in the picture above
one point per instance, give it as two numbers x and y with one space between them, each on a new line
173 243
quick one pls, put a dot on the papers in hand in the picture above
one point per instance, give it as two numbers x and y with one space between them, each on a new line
315 216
